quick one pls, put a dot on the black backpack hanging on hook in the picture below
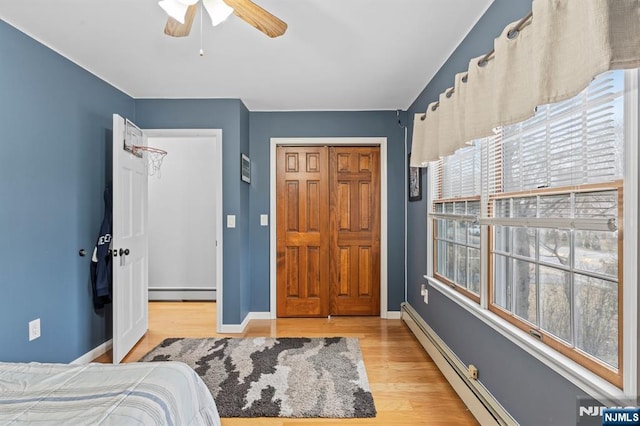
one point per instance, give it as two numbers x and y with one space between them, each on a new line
101 273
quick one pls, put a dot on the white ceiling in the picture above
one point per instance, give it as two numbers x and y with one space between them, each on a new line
336 54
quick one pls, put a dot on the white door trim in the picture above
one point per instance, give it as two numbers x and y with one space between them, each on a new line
217 134
382 143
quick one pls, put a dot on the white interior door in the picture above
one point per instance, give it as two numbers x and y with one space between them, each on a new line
129 239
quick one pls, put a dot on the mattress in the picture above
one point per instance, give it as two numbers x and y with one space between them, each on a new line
150 393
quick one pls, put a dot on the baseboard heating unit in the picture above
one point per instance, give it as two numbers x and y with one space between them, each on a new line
484 407
182 293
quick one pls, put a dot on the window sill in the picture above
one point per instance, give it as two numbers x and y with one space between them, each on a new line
593 385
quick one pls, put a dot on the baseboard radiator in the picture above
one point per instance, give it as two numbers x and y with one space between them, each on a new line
182 293
484 407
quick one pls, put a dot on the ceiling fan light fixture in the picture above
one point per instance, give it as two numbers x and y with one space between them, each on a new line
175 9
180 20
218 11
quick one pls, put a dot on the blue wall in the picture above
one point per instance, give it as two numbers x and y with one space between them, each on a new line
266 125
56 122
232 117
529 390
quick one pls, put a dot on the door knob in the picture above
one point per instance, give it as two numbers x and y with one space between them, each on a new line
124 252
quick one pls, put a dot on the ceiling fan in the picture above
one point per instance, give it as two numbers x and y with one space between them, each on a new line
182 12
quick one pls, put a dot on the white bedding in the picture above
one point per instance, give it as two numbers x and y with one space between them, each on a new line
149 393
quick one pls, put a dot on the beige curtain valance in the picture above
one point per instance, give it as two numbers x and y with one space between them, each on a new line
555 55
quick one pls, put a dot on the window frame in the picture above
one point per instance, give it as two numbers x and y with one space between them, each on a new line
435 239
585 379
610 374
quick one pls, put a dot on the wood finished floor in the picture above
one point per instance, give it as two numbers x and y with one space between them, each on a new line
407 387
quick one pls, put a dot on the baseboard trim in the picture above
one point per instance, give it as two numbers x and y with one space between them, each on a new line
182 294
259 316
239 328
94 353
481 403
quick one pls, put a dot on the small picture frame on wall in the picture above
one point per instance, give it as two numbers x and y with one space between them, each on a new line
415 181
245 168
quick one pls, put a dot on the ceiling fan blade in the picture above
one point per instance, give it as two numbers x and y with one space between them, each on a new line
175 29
258 17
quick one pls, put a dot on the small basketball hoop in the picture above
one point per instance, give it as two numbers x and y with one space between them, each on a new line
154 157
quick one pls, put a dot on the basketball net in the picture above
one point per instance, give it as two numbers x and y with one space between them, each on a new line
154 157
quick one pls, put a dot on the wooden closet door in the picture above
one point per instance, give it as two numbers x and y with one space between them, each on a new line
302 231
355 230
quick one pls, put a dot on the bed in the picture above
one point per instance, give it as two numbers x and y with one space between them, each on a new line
150 393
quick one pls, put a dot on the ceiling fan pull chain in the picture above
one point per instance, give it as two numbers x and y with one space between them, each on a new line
201 13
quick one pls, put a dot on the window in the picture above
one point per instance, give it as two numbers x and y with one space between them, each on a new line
456 211
550 192
557 277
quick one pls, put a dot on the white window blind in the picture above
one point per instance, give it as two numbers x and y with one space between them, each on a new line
573 142
435 179
457 175
491 170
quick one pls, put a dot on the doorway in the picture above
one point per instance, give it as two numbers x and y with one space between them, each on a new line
185 217
361 264
182 234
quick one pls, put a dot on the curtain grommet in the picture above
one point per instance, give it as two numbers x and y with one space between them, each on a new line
435 107
512 34
482 63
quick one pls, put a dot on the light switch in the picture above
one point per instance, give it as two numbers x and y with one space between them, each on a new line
231 221
264 220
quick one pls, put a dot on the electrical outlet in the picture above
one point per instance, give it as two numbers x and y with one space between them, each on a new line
425 296
473 372
34 329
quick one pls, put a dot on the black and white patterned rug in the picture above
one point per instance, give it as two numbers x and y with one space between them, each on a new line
277 377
